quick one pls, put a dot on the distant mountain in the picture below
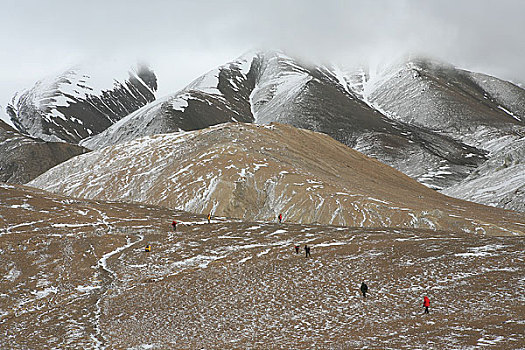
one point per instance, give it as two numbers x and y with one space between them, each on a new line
23 158
220 96
470 107
481 111
499 182
430 120
255 172
77 104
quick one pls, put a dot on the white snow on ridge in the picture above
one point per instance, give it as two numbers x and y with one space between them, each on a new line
180 102
510 113
207 83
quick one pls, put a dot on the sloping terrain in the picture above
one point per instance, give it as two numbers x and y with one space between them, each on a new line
23 158
255 172
75 275
220 96
266 87
77 104
476 109
499 182
470 107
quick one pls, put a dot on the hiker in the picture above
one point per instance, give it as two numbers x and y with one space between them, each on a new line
364 289
307 251
426 304
148 248
296 249
280 217
209 218
174 224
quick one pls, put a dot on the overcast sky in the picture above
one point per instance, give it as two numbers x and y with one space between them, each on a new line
183 39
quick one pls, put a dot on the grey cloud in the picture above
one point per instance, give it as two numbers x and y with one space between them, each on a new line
182 39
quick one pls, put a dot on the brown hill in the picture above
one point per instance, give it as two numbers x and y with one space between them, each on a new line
255 172
75 275
22 158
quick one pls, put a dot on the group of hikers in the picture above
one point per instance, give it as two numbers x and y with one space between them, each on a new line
174 222
306 250
364 287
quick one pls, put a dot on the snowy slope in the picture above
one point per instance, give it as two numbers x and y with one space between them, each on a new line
254 172
272 87
499 182
78 103
479 110
470 107
219 96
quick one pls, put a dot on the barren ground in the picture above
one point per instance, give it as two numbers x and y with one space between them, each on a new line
78 277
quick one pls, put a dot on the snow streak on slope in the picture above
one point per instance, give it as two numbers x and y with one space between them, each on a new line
499 182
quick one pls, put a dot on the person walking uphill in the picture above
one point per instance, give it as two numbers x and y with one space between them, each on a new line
280 217
426 304
174 224
364 289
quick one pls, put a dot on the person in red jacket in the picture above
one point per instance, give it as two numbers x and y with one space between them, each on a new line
174 224
426 303
280 217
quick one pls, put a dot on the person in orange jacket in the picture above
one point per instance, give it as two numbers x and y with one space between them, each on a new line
426 304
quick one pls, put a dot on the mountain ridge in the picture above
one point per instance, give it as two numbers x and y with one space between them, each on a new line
254 172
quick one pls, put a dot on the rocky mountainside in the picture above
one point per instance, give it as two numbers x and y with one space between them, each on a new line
433 122
499 182
476 109
75 275
220 96
255 172
77 104
23 158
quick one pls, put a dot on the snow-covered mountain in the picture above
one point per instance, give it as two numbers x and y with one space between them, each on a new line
499 182
471 107
255 172
433 122
23 158
476 109
220 96
77 103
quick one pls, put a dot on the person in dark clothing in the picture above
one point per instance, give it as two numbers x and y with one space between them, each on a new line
426 304
364 289
296 249
209 218
280 217
307 251
174 224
